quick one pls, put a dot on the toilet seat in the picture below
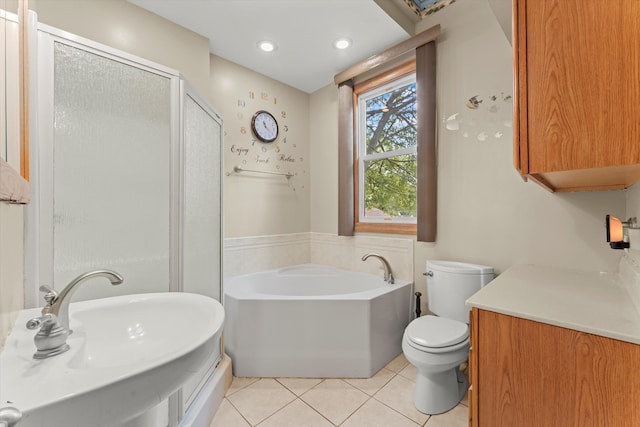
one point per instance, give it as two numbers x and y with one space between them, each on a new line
437 334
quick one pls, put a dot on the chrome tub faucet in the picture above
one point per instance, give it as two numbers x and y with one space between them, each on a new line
388 275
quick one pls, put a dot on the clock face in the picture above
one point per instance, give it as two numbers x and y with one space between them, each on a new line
264 126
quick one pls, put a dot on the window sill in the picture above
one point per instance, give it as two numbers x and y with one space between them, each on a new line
370 227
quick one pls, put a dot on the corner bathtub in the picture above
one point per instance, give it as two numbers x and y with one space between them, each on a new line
314 321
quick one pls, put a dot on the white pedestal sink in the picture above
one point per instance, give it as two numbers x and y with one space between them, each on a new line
128 354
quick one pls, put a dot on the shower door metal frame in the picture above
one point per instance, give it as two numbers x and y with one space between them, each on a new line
39 253
39 213
187 90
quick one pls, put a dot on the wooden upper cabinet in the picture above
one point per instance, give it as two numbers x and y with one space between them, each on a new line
577 93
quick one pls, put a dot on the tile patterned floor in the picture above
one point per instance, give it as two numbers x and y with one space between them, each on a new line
385 400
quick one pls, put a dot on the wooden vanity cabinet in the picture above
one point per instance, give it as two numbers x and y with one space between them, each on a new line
577 93
530 374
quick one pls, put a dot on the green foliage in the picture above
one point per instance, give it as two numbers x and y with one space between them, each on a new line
390 183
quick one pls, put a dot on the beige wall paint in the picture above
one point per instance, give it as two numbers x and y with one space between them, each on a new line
11 266
10 5
324 160
257 204
124 26
121 25
633 202
11 216
486 213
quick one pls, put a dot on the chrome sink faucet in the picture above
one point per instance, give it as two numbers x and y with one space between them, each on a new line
51 339
58 303
388 275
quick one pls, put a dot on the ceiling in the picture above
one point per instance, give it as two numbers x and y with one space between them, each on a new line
303 30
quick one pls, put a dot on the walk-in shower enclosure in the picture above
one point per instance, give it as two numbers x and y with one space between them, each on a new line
125 162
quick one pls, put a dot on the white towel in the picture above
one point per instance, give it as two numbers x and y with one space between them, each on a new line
13 187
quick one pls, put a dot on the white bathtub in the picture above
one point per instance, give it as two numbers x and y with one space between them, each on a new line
314 321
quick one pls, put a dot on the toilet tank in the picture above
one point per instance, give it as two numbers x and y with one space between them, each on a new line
450 284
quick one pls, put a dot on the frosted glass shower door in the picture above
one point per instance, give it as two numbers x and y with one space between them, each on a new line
202 239
202 199
111 172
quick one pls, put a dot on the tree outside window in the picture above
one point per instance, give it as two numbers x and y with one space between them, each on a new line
387 162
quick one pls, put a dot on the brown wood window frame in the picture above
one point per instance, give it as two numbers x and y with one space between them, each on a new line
396 73
424 46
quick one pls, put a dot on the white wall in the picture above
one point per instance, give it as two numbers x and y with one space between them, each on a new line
486 213
124 26
633 202
127 27
11 216
11 266
324 160
262 204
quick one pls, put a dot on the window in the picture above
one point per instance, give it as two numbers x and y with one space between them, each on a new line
385 170
370 180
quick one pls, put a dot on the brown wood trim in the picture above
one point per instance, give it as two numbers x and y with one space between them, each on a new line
400 71
520 141
383 78
591 188
375 227
389 54
378 227
539 179
473 368
23 41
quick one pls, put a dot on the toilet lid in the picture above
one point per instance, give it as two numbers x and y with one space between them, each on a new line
436 332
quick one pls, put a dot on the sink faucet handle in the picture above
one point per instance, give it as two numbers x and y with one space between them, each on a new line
47 319
51 339
50 294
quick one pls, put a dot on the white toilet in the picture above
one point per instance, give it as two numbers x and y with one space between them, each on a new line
437 345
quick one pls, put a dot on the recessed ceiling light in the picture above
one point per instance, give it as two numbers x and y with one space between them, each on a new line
342 43
267 46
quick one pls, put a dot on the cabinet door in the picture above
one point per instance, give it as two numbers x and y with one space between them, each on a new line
578 71
473 369
533 374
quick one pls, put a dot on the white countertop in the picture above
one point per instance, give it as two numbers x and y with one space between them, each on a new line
596 303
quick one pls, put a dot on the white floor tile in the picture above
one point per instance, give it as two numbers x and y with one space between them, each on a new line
397 364
269 402
465 400
398 394
299 385
228 416
457 417
238 383
375 414
296 414
409 372
261 399
373 384
335 399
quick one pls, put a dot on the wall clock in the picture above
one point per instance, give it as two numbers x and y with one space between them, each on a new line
264 126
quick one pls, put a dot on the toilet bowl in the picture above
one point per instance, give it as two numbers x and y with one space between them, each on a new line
438 345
